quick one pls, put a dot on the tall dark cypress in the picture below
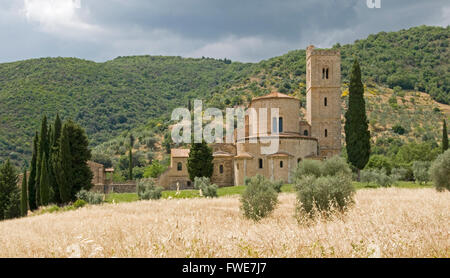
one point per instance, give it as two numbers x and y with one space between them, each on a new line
63 167
444 137
45 188
199 162
32 179
357 135
24 197
130 162
52 159
43 148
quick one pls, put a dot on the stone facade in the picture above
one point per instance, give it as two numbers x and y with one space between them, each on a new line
318 136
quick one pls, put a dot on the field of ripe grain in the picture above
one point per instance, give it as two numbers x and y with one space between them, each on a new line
389 222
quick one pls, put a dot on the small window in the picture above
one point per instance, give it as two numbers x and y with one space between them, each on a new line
323 73
260 163
237 166
325 101
221 169
305 132
281 164
326 132
280 124
179 166
189 183
299 160
326 74
274 125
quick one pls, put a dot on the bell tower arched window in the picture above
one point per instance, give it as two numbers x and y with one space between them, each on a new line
179 166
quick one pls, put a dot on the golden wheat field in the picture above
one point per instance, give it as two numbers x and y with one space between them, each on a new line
389 222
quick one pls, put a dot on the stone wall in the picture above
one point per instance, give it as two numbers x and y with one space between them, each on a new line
126 187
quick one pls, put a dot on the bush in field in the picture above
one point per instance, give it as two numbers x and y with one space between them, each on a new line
322 185
378 177
400 174
379 162
420 169
324 193
277 185
90 197
147 190
330 167
204 184
440 171
259 198
308 167
335 166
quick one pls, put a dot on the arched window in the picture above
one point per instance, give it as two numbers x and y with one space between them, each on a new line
281 164
326 132
221 169
179 166
323 73
325 101
260 163
299 160
305 132
326 73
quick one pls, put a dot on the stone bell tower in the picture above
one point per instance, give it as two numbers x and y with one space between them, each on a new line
323 98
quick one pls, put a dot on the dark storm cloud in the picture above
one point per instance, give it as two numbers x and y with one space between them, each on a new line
246 30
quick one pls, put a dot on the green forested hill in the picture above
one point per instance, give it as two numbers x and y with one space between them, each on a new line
128 92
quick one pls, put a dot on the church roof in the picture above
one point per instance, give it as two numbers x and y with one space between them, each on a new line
274 95
179 152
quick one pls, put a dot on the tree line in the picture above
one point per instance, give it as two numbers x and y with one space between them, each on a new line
57 172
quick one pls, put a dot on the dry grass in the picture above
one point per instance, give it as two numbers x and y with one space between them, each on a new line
384 222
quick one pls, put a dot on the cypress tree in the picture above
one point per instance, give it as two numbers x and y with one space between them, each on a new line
357 135
130 157
444 137
45 189
63 167
43 148
32 179
24 197
52 159
199 162
9 192
80 154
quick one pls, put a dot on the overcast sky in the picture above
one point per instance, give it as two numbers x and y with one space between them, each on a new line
243 30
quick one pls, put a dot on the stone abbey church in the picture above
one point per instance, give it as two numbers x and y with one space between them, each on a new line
317 136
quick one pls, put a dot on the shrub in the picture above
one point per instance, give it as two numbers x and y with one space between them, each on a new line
308 167
259 198
378 177
90 197
440 171
335 166
204 184
79 203
400 174
277 185
324 193
379 162
147 190
420 170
